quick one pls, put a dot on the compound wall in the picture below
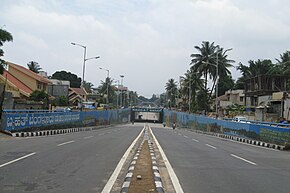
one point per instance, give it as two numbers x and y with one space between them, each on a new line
14 121
262 132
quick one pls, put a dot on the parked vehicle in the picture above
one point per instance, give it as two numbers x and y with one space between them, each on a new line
240 119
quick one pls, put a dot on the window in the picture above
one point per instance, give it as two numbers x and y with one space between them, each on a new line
241 99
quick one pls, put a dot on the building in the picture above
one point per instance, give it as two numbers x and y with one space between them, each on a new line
76 96
263 86
232 97
15 86
58 88
32 80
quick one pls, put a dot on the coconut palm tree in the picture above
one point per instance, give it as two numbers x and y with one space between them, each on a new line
171 89
190 83
202 61
33 66
206 60
103 88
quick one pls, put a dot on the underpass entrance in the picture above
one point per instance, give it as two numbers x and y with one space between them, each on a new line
147 114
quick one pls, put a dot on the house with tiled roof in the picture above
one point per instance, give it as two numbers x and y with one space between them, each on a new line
32 80
15 86
76 95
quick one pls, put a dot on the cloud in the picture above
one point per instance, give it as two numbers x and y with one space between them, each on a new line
147 41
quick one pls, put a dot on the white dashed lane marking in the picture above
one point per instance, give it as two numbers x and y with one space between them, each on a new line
210 146
88 137
195 140
18 159
243 159
66 143
185 136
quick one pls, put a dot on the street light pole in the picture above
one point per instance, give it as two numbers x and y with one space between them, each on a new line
108 75
122 76
84 65
189 97
217 79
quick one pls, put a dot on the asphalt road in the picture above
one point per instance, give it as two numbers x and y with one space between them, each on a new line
205 164
74 162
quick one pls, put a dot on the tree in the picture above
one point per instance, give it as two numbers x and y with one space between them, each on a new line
202 61
75 81
88 86
190 83
103 89
205 62
33 66
225 83
5 36
171 88
284 62
39 95
207 59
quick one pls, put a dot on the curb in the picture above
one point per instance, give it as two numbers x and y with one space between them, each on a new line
157 177
55 132
244 140
129 175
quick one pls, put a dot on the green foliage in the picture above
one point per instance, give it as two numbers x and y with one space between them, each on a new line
88 86
204 63
5 36
62 101
202 101
38 95
75 82
225 83
171 89
103 89
33 66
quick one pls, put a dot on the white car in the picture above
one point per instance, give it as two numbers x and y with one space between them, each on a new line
240 119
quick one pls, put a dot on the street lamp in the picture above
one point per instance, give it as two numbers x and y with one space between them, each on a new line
108 71
84 65
217 77
122 76
117 81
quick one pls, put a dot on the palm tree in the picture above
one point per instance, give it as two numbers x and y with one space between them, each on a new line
103 88
191 82
202 61
34 66
223 64
88 86
284 62
207 59
171 88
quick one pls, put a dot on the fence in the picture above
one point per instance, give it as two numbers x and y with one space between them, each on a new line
23 121
264 132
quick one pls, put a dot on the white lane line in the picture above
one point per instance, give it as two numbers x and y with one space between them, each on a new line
172 175
88 137
195 140
66 143
245 160
18 159
102 134
117 170
109 132
185 136
179 133
210 146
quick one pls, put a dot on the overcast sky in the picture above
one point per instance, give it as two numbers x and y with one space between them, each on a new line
147 41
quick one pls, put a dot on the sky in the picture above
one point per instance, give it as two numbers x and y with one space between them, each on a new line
147 41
